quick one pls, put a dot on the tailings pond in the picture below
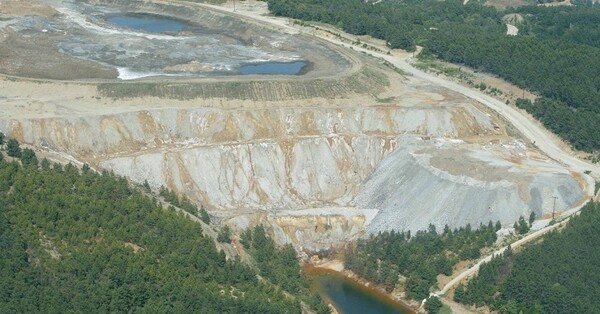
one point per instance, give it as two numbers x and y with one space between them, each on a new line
148 23
349 297
181 30
285 68
131 39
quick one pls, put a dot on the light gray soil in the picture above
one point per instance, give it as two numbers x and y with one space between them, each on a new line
77 42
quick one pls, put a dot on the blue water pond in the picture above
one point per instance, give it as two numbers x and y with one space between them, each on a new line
148 23
285 68
162 24
348 298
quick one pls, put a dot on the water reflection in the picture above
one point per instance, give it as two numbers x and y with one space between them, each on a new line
350 298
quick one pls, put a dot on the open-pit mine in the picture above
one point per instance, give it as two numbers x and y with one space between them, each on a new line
320 143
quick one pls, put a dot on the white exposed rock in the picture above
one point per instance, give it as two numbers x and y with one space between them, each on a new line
511 30
411 193
344 167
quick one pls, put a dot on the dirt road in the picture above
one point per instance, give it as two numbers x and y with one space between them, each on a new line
531 131
475 268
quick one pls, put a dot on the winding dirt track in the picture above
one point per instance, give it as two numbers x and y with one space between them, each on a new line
530 131
473 269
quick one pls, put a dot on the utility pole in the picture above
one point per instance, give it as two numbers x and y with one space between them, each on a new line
554 207
233 5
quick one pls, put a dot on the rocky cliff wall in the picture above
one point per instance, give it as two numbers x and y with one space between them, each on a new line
495 183
259 159
319 171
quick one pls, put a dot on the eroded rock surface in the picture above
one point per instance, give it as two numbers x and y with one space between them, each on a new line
466 184
322 159
427 156
282 158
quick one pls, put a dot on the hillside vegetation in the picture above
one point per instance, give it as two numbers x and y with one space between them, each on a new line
559 275
78 241
556 53
420 257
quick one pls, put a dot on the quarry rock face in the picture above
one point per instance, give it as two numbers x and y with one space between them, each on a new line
349 148
315 172
496 184
252 159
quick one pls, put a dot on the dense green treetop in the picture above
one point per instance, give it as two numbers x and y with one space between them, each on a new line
561 274
555 55
421 257
78 241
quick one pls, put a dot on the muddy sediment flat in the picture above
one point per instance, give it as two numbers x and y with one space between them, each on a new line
116 40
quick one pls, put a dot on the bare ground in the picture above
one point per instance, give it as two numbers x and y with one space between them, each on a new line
24 7
36 56
30 35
